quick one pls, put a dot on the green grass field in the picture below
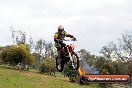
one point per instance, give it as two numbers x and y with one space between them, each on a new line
11 78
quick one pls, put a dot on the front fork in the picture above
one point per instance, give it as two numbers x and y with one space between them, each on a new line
71 58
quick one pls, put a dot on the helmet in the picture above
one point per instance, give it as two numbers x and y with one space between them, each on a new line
60 28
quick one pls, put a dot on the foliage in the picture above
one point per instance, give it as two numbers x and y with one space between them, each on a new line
116 56
37 57
48 65
1 61
107 52
70 72
105 61
0 55
43 49
18 36
121 52
31 44
17 54
87 56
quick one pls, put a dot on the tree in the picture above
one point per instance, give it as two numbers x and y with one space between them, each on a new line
17 54
18 36
121 52
45 49
0 54
48 66
122 48
49 50
31 44
120 67
106 51
37 57
39 47
87 56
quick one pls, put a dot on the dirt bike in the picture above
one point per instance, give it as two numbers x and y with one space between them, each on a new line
67 56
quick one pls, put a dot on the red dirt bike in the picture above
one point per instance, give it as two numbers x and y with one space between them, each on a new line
67 56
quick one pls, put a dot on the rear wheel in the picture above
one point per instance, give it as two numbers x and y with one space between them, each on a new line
75 61
59 64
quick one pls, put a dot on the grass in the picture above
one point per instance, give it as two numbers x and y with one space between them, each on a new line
10 78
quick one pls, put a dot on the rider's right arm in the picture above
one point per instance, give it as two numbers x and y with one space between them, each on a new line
56 35
56 38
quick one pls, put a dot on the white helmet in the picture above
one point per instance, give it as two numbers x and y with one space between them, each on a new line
60 28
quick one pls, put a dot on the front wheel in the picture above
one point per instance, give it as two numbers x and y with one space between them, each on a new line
59 64
75 62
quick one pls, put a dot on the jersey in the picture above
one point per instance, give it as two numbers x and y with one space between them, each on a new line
61 36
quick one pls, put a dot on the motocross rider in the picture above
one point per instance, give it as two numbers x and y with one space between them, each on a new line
59 37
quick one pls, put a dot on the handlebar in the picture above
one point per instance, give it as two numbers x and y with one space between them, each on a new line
65 40
69 40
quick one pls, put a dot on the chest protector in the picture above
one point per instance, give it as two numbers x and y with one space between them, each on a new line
61 35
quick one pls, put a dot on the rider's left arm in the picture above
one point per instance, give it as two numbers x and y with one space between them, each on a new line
69 35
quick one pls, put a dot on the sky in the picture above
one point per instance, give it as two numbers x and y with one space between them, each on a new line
93 22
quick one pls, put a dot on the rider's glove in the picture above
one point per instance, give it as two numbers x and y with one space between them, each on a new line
74 39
